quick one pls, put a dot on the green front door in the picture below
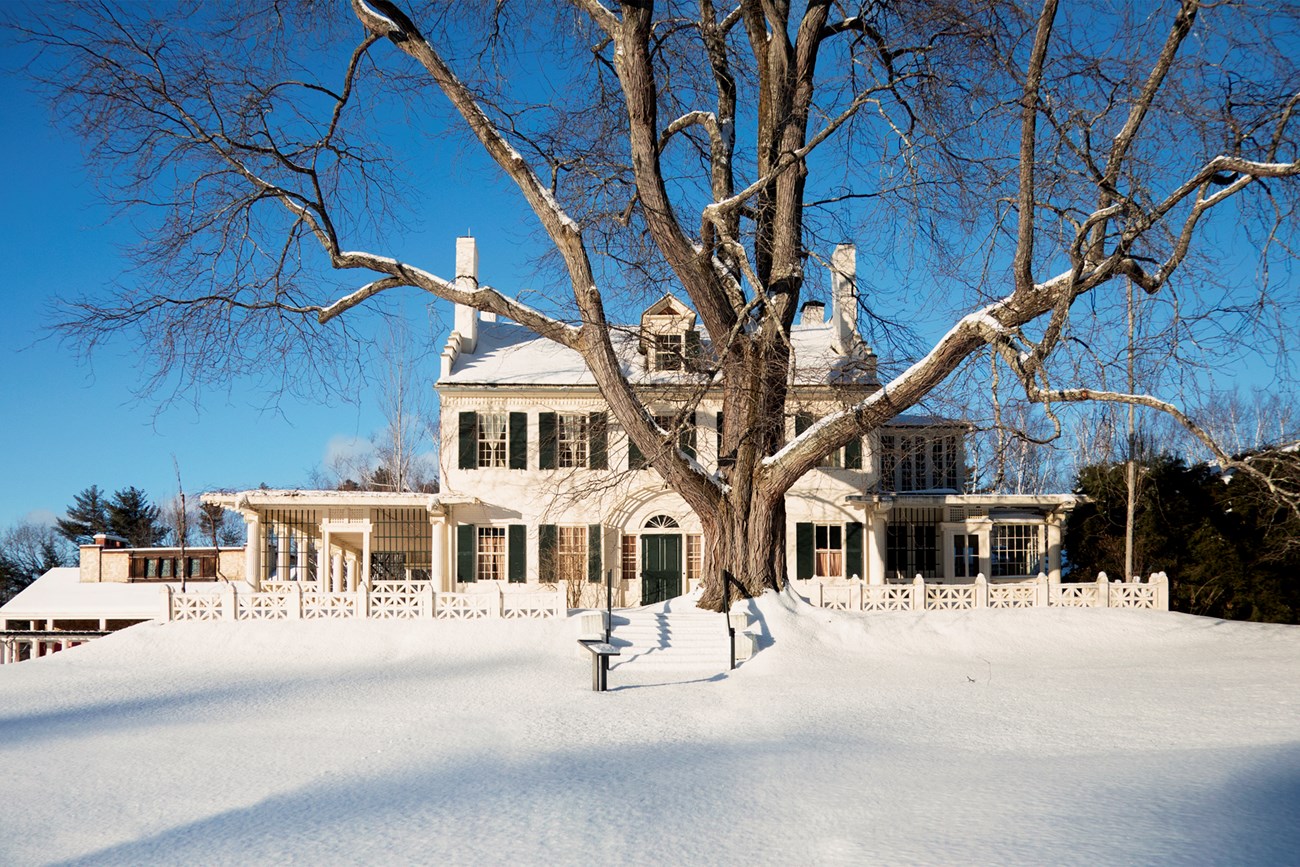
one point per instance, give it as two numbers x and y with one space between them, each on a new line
661 568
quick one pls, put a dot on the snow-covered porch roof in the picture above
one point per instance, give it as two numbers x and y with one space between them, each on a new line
60 594
1020 506
297 498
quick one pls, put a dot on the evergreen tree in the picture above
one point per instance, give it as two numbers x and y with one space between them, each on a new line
87 516
134 518
1228 548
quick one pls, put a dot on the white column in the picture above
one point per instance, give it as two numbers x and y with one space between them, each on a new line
1054 549
876 541
350 568
365 559
336 568
253 553
325 564
438 557
282 553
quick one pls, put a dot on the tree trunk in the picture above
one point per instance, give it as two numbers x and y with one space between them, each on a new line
744 551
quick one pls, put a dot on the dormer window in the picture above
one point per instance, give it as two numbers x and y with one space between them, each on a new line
668 352
668 336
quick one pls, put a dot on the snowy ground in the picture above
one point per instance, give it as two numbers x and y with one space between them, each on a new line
992 737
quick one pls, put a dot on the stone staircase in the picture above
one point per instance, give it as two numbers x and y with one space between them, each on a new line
654 639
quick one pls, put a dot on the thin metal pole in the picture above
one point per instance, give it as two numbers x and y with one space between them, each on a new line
609 602
726 612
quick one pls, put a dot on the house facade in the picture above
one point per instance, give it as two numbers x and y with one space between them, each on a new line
541 490
542 486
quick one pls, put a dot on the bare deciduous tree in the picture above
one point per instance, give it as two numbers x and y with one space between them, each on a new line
1009 163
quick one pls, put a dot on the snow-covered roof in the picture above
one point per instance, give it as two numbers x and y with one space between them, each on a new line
61 594
509 354
304 497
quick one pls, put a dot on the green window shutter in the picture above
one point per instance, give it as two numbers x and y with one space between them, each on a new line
468 441
693 350
466 548
546 541
635 460
598 446
686 437
517 553
593 553
803 551
853 454
719 430
518 440
853 562
546 440
802 421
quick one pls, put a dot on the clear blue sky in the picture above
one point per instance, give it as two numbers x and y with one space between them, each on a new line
67 425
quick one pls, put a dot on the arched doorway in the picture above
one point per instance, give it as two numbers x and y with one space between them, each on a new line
661 559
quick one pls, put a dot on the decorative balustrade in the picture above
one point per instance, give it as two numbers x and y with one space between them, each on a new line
329 606
466 606
385 600
195 606
919 595
401 600
949 597
887 597
1021 595
262 606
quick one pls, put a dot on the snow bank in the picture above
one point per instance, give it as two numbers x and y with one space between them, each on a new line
1009 737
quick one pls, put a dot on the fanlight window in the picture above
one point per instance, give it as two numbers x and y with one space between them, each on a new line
661 522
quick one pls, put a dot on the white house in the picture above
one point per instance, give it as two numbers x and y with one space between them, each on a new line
541 489
542 485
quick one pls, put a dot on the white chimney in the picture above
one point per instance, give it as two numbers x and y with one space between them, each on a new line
844 295
812 313
467 280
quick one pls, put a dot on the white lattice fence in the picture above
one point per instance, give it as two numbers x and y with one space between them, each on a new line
887 597
196 606
532 606
1133 596
263 606
406 600
1074 596
1013 595
329 606
278 586
949 597
842 597
466 606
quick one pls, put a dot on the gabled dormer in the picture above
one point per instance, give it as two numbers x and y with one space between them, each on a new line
668 335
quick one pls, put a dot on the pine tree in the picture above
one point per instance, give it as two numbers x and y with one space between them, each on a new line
87 516
134 518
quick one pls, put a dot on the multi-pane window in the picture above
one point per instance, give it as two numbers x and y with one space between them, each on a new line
919 463
694 557
493 436
1016 550
965 555
149 568
828 550
571 554
912 544
668 352
627 563
571 439
888 462
490 565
